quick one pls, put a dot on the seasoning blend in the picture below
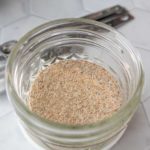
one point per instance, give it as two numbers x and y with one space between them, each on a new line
75 93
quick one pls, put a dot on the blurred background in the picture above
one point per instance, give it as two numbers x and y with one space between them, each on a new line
17 17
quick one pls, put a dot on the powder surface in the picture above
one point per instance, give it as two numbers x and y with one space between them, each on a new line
75 92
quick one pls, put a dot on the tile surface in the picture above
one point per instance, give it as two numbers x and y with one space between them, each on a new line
0 35
5 106
145 56
17 17
137 135
96 5
56 9
11 137
20 27
142 4
146 105
138 30
11 10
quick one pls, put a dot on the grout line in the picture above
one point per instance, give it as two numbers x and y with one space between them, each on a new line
144 10
14 21
147 118
145 99
9 24
137 7
8 113
32 13
82 5
142 48
30 4
141 9
22 18
41 17
132 3
25 5
85 9
30 7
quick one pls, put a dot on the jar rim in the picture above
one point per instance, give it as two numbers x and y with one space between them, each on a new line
11 92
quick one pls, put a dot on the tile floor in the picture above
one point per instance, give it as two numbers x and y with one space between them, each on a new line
19 16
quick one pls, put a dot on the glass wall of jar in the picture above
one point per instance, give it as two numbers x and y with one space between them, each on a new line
77 39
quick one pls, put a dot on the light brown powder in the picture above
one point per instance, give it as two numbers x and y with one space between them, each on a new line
75 92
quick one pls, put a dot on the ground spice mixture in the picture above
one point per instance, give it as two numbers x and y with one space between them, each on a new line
75 92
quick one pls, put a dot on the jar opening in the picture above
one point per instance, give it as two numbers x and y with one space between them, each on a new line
83 39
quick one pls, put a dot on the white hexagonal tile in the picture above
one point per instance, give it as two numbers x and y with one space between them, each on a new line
146 105
56 9
137 31
142 4
137 135
96 5
11 10
19 28
145 56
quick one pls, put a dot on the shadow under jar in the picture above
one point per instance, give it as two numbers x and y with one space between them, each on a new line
75 39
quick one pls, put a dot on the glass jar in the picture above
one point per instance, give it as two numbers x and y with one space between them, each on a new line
77 39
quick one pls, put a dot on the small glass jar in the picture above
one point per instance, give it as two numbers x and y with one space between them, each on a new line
77 39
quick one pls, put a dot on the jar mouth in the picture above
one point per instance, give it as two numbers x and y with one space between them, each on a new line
116 117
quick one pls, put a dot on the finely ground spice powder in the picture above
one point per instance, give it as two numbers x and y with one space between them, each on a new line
75 92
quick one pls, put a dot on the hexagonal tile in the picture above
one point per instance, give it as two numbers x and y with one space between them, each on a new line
145 56
96 5
137 135
19 28
55 9
142 4
11 10
137 31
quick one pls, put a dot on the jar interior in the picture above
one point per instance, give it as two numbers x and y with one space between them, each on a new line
74 39
82 42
